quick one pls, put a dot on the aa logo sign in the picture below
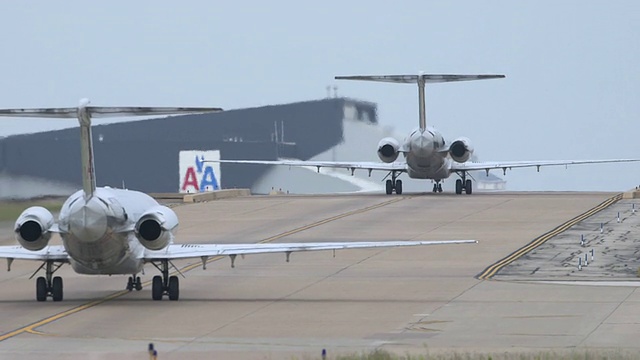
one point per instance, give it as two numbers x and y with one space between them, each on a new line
197 175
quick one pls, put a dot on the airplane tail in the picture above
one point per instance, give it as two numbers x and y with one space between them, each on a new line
84 113
421 80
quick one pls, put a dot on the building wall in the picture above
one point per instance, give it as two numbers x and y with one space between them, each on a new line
144 154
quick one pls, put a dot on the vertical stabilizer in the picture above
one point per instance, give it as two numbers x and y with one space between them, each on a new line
86 151
421 80
84 113
422 109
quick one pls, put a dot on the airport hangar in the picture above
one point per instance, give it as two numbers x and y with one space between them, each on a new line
144 154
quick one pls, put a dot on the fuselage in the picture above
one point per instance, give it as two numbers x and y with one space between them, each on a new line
97 231
426 155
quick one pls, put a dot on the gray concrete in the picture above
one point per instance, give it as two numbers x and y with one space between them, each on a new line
401 299
616 250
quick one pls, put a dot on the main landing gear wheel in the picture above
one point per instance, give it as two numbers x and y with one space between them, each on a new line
399 187
157 288
48 285
56 289
174 288
41 289
393 184
165 284
464 184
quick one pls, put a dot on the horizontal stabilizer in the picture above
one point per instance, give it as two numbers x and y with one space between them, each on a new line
412 79
41 113
104 111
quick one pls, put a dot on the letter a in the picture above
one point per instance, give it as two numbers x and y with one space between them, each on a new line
190 179
209 178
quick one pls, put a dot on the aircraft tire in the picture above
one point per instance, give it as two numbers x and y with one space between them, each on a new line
56 289
174 288
459 186
389 187
41 289
156 288
399 187
467 187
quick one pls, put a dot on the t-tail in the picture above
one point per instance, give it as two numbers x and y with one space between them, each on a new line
421 80
84 112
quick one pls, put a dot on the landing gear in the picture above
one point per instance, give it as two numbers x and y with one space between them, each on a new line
134 282
49 285
56 289
41 289
464 184
437 187
393 184
165 284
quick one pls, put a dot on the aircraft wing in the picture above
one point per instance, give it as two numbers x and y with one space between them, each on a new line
52 252
368 165
185 251
520 164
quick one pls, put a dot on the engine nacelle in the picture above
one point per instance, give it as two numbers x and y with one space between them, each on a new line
155 228
32 228
388 149
461 149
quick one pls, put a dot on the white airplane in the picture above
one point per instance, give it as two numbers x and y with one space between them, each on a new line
108 231
426 154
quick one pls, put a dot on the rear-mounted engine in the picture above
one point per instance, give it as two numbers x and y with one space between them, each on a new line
32 228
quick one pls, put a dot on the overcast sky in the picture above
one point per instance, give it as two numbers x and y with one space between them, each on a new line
571 92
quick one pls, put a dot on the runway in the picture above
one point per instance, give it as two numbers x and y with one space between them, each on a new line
398 299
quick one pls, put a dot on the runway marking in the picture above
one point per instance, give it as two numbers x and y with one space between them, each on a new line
31 328
492 270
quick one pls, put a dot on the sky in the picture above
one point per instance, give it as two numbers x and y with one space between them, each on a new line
571 89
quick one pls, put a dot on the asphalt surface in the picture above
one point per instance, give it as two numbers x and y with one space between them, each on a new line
403 300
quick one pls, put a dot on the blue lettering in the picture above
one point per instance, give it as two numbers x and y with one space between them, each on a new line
209 179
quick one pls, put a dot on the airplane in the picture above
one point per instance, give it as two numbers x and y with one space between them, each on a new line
426 153
108 231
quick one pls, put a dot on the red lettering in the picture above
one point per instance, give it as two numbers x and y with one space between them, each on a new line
190 180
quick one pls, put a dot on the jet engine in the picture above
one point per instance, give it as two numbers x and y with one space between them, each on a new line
32 228
461 149
388 149
155 227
